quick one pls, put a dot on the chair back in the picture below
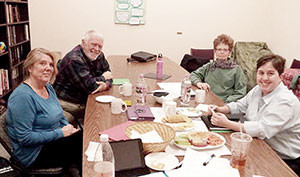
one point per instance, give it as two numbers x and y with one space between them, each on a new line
4 139
5 142
203 53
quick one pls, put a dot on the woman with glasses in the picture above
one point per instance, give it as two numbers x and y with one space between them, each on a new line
222 76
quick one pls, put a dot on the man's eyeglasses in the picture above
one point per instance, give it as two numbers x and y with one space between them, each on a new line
222 50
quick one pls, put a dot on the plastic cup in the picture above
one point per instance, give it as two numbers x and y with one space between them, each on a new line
240 144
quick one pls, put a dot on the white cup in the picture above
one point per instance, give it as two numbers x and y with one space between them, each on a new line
200 96
126 89
164 100
170 108
117 106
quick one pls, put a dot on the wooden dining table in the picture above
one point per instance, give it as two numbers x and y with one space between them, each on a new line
262 160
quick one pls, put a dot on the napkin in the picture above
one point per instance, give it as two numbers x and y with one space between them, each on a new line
91 150
203 107
148 137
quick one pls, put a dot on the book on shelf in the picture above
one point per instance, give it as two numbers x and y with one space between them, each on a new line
15 14
26 32
12 13
4 82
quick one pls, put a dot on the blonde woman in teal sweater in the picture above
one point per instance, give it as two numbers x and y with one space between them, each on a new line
40 134
222 76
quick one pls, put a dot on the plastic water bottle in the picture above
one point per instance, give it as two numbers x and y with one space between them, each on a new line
186 85
159 67
104 162
141 90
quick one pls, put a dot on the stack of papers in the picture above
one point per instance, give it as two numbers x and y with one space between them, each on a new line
193 166
173 87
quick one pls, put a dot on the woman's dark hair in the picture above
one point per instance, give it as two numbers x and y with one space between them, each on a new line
277 61
225 39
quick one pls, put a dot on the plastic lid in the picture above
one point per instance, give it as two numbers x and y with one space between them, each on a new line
104 137
159 55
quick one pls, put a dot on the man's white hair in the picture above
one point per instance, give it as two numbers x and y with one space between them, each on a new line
91 33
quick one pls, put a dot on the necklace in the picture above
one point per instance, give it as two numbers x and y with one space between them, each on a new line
42 92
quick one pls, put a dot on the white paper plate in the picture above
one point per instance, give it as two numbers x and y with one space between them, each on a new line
156 159
105 98
189 111
202 148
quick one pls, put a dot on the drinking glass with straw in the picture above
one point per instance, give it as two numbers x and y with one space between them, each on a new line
240 144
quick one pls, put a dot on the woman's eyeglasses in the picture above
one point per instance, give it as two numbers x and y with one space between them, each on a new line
222 50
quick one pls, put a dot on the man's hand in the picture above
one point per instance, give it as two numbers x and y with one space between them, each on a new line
69 130
102 86
107 75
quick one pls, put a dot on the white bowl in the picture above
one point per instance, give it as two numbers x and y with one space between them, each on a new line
160 99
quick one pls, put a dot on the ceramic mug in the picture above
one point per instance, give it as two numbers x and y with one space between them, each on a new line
118 106
200 96
170 108
126 89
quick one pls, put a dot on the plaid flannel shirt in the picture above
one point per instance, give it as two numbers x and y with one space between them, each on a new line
77 76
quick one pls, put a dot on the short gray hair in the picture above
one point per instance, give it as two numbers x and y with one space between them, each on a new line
90 33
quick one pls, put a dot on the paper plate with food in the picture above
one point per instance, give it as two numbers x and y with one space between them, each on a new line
161 161
179 122
199 140
189 111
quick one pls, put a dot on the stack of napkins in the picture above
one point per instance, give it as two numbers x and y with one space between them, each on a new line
148 137
91 150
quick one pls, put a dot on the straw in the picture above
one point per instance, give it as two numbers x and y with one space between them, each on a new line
241 131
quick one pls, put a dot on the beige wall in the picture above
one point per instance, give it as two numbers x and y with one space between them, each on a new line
59 25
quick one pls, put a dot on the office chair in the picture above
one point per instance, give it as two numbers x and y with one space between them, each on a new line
203 53
5 142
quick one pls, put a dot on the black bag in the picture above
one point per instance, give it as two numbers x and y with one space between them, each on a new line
191 63
7 170
141 56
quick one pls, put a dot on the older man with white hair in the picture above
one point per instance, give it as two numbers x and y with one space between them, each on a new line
83 71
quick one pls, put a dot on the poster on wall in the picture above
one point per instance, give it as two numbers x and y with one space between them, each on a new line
130 12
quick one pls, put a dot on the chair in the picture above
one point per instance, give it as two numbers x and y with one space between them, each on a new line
295 64
198 58
246 55
287 77
5 142
203 53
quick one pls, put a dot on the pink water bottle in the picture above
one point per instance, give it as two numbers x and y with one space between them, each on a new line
159 67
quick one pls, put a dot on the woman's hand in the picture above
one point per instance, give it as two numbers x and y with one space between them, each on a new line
69 130
203 86
219 119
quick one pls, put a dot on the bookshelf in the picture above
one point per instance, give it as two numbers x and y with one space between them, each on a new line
14 32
